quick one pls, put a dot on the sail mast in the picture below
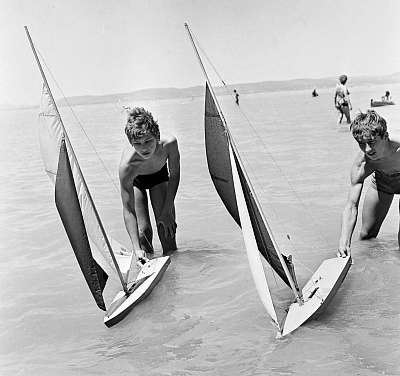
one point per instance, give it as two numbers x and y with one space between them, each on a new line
65 135
279 254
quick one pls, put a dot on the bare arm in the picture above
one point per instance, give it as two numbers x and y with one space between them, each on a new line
167 215
349 217
348 99
128 209
174 175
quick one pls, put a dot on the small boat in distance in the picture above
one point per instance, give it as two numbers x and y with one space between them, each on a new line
381 103
102 256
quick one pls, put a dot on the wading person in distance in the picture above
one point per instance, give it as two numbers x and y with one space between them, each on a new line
342 100
236 97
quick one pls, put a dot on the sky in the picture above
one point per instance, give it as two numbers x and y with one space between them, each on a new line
95 47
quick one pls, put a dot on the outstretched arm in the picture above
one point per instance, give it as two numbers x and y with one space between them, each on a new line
167 216
129 213
349 217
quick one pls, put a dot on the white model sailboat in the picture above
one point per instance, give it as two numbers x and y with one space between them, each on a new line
81 220
234 188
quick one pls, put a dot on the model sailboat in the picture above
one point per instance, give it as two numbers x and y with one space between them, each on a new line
233 186
106 257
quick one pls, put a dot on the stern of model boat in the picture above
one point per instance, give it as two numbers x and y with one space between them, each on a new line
317 293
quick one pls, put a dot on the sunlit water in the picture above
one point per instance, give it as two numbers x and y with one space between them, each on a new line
205 317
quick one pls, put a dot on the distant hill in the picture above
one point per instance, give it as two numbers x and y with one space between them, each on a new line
144 94
7 107
243 88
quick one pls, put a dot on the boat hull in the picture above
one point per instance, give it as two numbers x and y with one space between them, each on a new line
317 293
147 279
381 103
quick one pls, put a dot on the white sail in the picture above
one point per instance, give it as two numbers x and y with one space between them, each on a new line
253 254
50 135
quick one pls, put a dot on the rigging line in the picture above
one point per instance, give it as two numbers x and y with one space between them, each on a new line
83 129
208 59
321 236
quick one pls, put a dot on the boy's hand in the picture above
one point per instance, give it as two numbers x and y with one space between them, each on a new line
167 222
141 257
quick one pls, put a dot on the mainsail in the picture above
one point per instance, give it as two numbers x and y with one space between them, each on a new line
219 164
68 207
51 133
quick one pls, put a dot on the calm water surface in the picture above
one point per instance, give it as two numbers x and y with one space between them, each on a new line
205 317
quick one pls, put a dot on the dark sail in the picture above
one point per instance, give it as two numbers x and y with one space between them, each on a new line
217 149
68 207
219 162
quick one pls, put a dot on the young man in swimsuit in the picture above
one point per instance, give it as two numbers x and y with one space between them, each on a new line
379 156
342 100
150 164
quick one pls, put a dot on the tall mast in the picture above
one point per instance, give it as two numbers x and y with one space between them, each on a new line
278 252
65 135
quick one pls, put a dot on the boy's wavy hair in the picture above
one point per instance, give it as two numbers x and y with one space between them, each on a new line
140 123
367 125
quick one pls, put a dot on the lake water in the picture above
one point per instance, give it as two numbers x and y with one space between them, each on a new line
205 317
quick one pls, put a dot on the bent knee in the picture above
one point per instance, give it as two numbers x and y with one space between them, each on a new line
145 230
365 235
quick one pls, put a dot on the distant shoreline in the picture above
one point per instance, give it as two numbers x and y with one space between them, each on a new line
198 91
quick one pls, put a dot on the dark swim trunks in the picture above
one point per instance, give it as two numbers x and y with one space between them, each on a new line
144 182
388 183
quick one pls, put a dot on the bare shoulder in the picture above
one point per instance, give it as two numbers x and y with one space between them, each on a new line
168 139
126 168
169 142
360 169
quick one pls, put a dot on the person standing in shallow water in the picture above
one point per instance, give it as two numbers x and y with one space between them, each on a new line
342 99
379 156
386 97
151 164
236 97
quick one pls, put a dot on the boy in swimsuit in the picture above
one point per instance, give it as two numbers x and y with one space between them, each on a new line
151 164
379 156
